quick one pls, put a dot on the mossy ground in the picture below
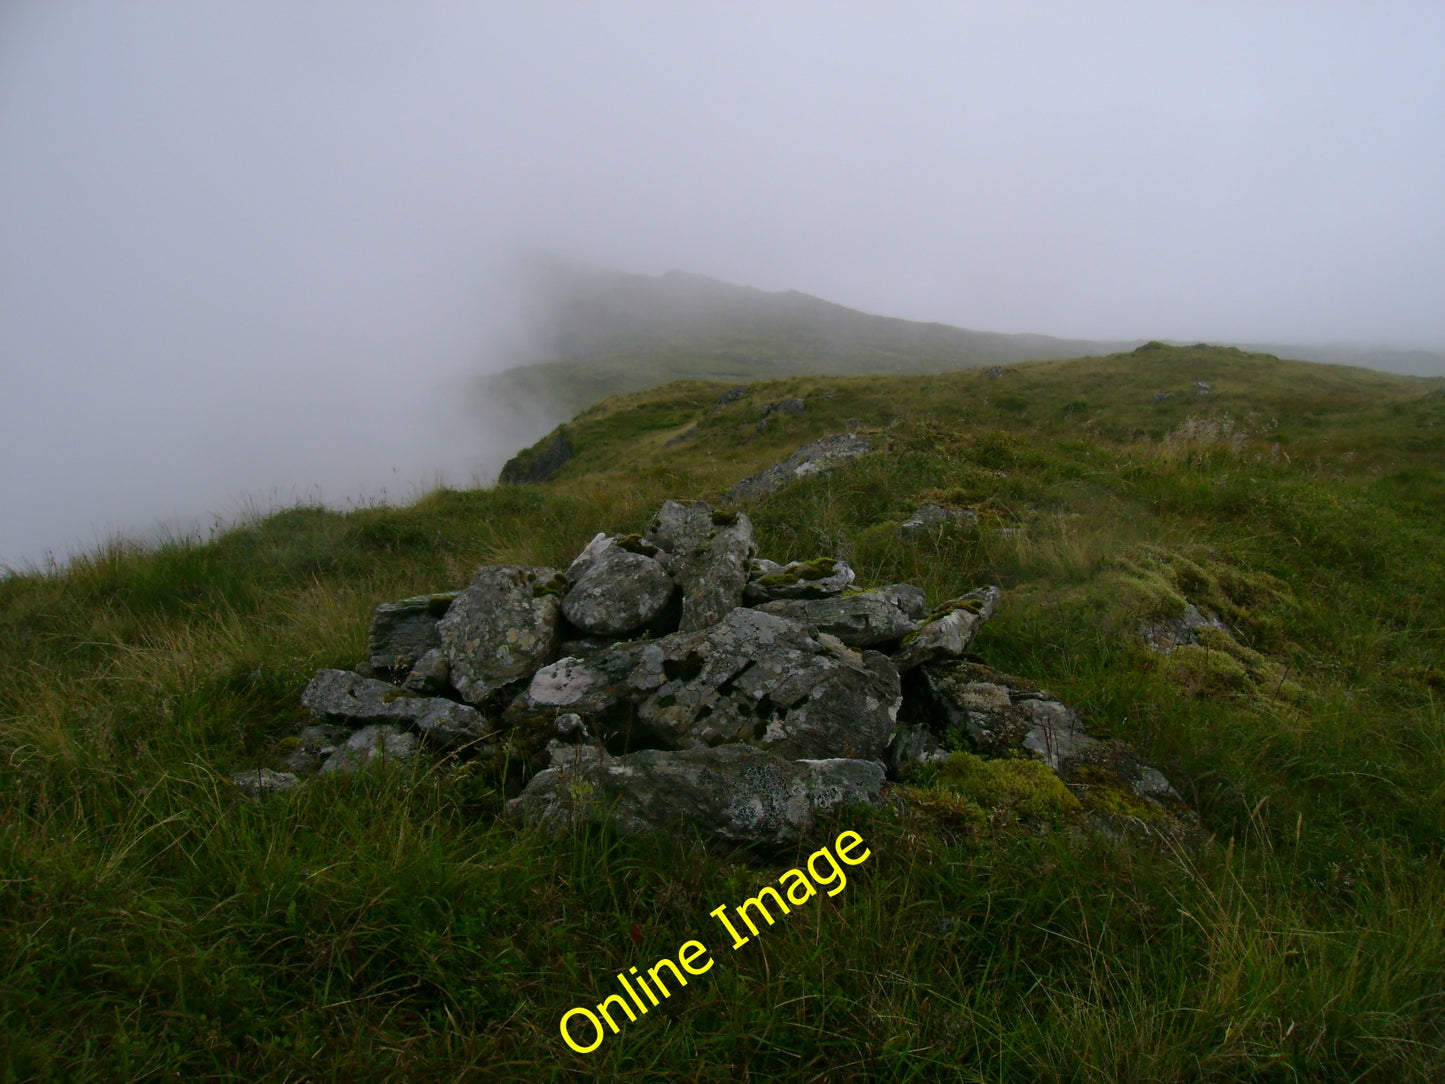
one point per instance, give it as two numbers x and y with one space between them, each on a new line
391 926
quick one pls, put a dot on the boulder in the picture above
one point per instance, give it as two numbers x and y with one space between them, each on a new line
376 744
818 578
502 628
815 458
711 567
865 619
949 632
619 592
402 632
733 793
450 726
678 527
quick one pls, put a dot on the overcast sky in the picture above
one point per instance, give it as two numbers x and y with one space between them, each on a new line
250 251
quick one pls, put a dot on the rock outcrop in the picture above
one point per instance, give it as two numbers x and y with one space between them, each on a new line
536 465
815 458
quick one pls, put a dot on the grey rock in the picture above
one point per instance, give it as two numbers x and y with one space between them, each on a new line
914 743
948 635
799 579
755 678
1165 635
732 395
678 528
431 676
1160 396
340 696
584 647
502 628
376 744
865 619
600 544
713 573
993 371
620 592
1056 734
911 600
260 782
315 744
931 517
451 726
402 632
1202 387
815 458
733 793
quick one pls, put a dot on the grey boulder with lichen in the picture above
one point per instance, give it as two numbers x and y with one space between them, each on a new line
501 628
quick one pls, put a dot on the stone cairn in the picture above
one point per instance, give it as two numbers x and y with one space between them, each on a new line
674 679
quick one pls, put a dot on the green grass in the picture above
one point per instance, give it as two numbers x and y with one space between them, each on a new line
394 926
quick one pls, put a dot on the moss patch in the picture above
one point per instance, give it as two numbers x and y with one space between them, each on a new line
1020 787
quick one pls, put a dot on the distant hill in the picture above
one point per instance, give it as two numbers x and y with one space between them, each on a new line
600 332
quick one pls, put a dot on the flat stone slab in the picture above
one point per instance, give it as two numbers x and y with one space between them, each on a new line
402 632
865 619
733 793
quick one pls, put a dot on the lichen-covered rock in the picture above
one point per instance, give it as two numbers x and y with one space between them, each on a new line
755 678
931 517
402 632
375 744
733 793
864 619
993 710
678 528
713 573
260 782
819 578
450 726
340 696
620 592
815 458
948 634
502 628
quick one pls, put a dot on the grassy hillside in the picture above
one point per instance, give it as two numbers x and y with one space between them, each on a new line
390 926
600 333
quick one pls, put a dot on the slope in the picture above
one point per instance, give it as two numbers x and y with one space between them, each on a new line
392 925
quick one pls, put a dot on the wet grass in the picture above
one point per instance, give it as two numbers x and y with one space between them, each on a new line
393 926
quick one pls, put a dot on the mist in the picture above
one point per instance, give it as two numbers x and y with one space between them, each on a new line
260 253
